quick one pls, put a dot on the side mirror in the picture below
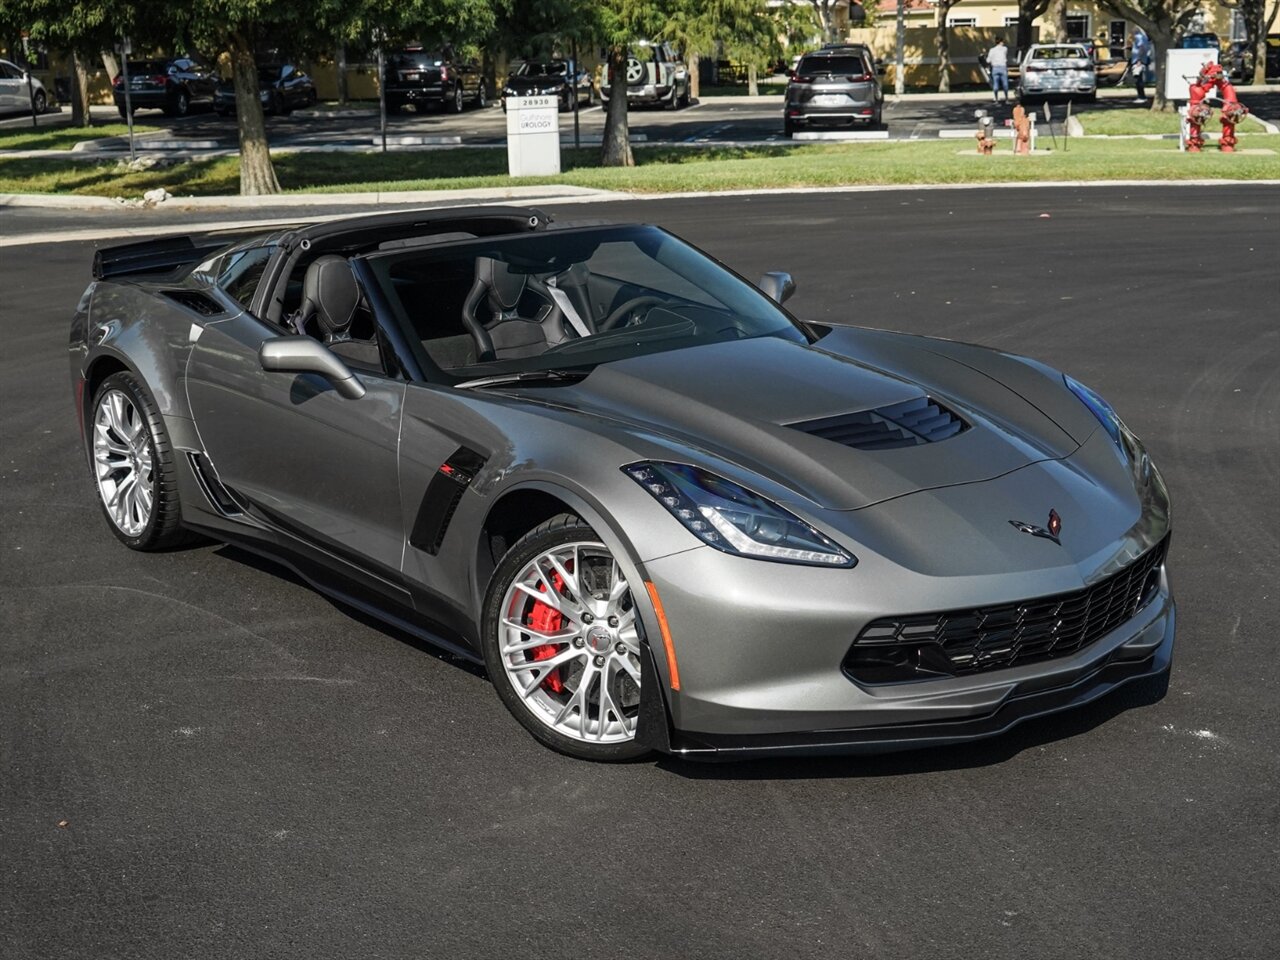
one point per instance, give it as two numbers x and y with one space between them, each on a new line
777 286
286 72
304 355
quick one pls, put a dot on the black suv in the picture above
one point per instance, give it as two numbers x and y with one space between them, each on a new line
168 85
835 85
433 78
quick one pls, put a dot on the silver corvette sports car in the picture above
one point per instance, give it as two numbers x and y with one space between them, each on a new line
664 514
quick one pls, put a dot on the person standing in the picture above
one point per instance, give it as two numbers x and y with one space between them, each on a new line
998 64
1139 61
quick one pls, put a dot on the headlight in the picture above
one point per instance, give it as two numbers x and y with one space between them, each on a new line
1124 438
508 91
733 519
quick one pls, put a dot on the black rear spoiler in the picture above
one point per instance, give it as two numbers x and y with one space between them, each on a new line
151 256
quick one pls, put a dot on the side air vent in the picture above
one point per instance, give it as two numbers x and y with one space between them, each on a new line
218 495
196 301
906 424
443 495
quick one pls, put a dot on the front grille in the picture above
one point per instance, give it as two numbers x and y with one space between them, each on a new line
960 642
906 424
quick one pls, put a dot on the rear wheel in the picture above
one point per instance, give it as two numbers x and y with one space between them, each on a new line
788 128
482 97
562 642
133 466
39 103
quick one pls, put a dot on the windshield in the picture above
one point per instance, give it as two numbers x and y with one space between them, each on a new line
1058 53
835 66
566 299
553 69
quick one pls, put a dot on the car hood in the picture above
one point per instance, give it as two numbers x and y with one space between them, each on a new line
752 403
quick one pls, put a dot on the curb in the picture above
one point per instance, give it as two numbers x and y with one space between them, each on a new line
303 200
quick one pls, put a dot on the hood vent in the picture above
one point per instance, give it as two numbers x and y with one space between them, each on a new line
906 424
201 303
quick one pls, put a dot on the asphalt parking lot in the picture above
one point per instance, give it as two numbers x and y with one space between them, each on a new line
201 757
712 120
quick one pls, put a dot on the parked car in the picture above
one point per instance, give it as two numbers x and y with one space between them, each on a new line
836 85
281 87
433 78
550 78
1273 55
173 86
17 94
1058 70
576 455
655 76
1199 41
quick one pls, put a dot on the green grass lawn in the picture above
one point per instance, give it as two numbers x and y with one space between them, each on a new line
1141 120
661 169
64 138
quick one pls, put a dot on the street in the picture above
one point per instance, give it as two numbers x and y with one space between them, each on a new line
201 756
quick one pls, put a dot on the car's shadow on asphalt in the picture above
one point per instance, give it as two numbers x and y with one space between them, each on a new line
1028 735
282 571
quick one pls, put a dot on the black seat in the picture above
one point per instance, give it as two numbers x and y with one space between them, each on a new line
507 334
331 296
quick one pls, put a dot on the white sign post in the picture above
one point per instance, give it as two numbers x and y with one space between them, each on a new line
533 136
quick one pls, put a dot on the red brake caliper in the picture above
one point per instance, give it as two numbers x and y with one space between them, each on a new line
546 619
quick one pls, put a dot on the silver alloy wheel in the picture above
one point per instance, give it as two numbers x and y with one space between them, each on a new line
123 463
576 666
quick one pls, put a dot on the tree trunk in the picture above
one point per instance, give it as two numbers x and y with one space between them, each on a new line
695 74
944 53
340 71
1161 40
80 116
753 80
1055 22
615 151
257 176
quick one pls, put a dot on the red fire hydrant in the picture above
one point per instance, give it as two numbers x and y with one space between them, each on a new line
1199 112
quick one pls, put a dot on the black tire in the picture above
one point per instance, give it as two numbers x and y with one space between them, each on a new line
393 106
788 128
482 97
124 114
164 527
39 102
455 102
685 97
561 529
179 106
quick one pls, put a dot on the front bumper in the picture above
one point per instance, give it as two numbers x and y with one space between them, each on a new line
760 649
1135 660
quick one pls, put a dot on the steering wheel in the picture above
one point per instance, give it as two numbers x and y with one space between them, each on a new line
627 308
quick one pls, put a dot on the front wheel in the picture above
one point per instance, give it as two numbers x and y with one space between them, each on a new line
133 466
455 105
561 642
482 98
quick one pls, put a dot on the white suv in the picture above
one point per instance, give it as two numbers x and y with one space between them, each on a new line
655 75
